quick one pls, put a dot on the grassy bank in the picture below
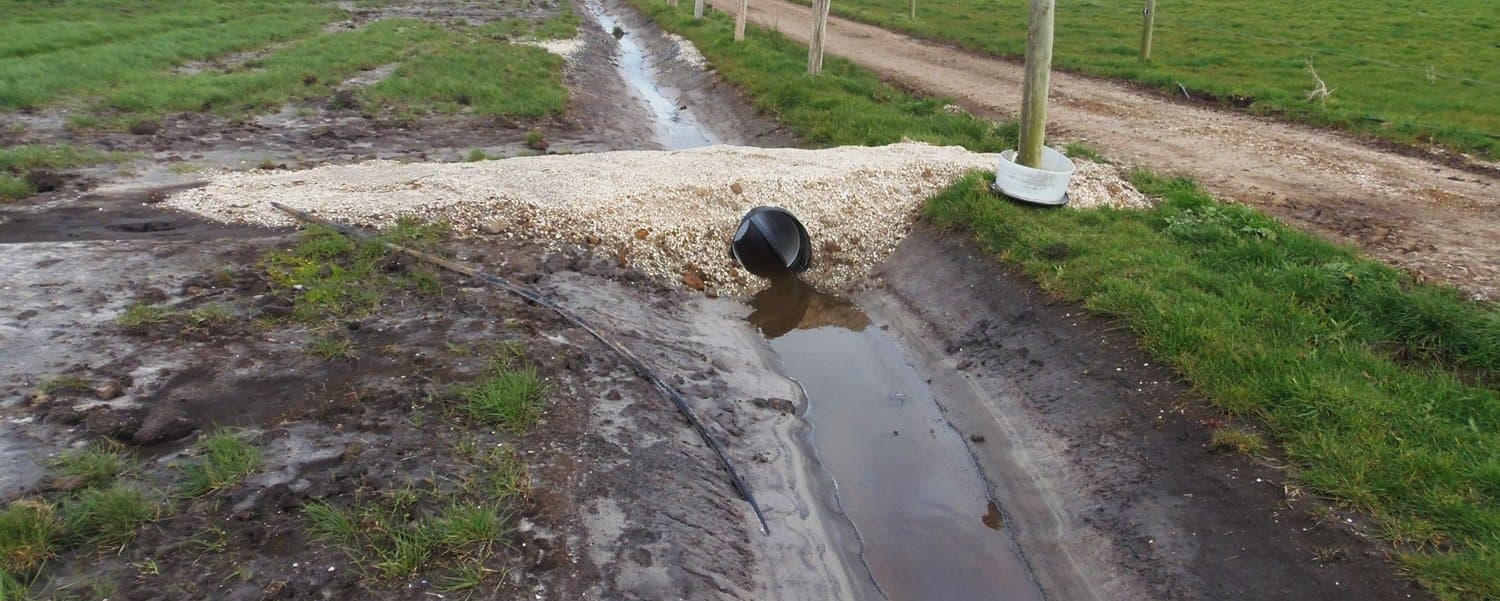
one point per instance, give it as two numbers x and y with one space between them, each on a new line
1381 390
1406 71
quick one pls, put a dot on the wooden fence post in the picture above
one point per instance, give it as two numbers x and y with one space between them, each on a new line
1150 17
697 9
739 21
1034 89
912 8
815 44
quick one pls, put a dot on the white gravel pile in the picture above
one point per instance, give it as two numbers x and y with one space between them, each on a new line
668 213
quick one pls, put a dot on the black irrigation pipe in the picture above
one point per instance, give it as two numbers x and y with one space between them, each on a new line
537 298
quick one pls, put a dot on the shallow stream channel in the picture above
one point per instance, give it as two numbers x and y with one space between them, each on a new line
927 524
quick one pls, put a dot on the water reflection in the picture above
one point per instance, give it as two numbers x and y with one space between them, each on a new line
792 304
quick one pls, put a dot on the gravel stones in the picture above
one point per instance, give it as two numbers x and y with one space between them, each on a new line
858 201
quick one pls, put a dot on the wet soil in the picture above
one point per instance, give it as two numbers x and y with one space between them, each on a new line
928 526
1098 457
1434 215
605 112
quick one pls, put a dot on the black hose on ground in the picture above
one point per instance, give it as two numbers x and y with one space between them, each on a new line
536 297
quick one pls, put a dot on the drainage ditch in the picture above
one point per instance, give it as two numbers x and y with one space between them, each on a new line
676 126
904 478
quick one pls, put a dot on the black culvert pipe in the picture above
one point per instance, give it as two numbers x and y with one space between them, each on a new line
770 242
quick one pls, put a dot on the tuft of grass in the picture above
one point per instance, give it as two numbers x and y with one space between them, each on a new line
12 589
140 315
207 318
391 538
30 532
223 459
476 155
536 140
1237 440
1363 375
329 523
507 476
109 517
95 465
1084 151
333 347
14 188
510 398
58 384
330 276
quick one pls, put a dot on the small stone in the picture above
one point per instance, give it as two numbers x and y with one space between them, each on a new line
109 390
736 188
492 227
976 437
642 234
693 280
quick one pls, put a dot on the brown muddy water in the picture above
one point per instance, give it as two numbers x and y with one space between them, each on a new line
905 478
677 127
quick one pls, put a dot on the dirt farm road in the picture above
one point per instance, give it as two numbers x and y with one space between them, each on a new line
1425 215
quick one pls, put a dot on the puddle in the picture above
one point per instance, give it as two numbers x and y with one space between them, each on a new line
676 127
904 477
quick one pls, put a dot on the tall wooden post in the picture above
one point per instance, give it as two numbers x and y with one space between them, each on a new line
739 21
1034 89
1150 17
912 8
697 9
815 44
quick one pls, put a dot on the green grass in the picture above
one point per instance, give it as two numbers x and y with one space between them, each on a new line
392 539
1381 390
58 50
94 465
330 275
510 398
16 161
1374 55
12 589
1363 376
26 157
562 26
332 347
122 68
480 75
110 517
222 461
140 315
1237 440
845 105
29 536
14 188
58 384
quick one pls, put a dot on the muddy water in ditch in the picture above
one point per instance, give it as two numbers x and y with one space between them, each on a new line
928 526
676 127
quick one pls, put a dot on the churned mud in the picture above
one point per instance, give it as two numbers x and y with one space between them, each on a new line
946 432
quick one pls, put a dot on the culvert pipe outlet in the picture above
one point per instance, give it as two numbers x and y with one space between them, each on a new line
771 242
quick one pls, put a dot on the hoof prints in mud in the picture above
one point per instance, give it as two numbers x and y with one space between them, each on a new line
368 452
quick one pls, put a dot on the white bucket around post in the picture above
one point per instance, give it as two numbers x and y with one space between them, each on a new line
1047 186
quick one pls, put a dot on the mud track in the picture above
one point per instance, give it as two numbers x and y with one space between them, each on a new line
1438 216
